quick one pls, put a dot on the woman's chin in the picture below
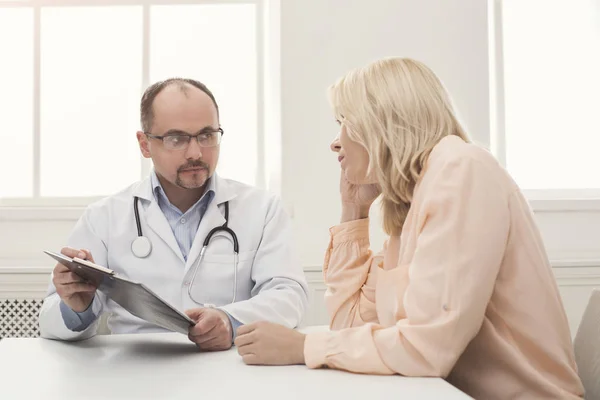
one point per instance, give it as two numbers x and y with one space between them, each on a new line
354 178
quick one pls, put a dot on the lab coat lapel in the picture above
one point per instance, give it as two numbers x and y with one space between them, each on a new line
214 216
154 217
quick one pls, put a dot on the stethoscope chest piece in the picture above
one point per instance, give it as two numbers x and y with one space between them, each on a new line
141 246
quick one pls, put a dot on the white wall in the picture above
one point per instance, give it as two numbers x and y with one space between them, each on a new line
321 40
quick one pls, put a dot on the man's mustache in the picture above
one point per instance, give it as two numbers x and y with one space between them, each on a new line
193 164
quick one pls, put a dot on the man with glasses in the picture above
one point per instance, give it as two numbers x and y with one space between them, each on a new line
173 212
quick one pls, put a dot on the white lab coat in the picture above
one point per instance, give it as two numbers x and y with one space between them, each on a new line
270 281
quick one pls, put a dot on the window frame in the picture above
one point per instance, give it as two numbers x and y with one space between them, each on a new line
540 199
35 207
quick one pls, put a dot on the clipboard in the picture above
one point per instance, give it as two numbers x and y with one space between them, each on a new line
135 297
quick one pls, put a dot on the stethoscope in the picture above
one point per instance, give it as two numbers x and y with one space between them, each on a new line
141 247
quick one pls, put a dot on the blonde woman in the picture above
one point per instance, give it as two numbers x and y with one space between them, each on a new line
463 289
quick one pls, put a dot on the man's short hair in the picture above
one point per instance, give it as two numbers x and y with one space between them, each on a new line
146 110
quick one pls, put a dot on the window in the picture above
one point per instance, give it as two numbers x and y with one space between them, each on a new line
77 71
549 78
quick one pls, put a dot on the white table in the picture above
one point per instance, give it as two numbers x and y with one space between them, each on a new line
168 366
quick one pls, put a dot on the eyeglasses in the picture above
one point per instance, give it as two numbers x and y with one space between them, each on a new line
181 141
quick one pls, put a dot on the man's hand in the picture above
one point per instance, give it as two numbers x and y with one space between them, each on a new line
266 343
73 290
212 330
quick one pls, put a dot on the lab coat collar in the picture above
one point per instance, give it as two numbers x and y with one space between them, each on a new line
158 223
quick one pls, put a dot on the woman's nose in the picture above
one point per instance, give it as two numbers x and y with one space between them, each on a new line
335 146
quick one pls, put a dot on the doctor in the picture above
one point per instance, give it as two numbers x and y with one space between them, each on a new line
155 232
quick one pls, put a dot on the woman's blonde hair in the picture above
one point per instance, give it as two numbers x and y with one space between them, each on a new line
398 109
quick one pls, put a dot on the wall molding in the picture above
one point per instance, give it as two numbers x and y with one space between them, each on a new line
27 269
578 276
556 264
34 279
55 212
24 282
40 214
564 205
576 263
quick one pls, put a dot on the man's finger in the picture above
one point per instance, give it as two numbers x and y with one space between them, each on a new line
203 326
60 269
68 278
201 330
199 339
76 278
88 255
71 252
205 340
195 313
73 288
216 343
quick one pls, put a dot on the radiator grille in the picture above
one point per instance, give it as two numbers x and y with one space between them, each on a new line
19 318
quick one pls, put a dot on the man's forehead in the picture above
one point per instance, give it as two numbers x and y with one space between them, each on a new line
186 109
182 95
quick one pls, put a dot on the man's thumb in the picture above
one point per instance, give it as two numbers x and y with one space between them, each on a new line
194 313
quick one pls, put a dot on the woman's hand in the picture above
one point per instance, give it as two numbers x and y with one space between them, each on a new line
356 199
265 343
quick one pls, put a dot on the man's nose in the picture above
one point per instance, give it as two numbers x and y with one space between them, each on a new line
194 150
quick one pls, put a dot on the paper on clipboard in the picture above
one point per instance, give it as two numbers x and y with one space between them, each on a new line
135 297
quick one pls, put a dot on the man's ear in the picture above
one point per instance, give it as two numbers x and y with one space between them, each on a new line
143 142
